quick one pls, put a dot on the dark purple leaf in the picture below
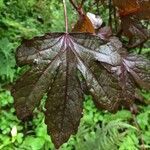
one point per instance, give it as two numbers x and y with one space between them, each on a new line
105 33
57 60
134 30
132 73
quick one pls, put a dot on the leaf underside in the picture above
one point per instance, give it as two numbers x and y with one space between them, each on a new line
58 60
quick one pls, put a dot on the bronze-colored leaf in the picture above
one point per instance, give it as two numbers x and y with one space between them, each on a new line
127 7
144 11
140 8
83 25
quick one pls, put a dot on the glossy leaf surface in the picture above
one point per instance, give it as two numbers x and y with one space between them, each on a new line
58 61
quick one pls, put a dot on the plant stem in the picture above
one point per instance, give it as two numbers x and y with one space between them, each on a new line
65 16
73 4
110 13
115 19
82 2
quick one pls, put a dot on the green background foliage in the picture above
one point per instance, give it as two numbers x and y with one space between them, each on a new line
98 130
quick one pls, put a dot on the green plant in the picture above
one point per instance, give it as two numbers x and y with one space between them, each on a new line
7 63
13 133
98 129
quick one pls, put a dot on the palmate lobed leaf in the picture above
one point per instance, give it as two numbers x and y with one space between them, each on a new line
57 60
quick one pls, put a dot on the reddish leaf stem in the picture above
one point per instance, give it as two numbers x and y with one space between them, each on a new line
110 13
82 2
78 7
115 19
65 16
73 4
